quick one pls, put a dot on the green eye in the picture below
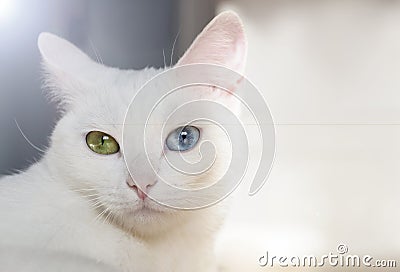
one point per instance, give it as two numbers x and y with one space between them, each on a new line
102 143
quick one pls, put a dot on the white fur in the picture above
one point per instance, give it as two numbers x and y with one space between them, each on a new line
75 201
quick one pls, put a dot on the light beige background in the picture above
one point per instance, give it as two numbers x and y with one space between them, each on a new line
330 72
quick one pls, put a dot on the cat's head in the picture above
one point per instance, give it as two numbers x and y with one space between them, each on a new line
86 146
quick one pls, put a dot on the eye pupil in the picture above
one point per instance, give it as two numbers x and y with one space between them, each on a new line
184 135
104 138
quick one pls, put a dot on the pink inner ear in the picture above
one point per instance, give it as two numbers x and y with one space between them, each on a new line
222 42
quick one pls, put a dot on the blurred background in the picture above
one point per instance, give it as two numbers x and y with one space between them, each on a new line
329 71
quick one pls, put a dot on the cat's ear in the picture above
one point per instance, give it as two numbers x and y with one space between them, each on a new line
65 67
222 42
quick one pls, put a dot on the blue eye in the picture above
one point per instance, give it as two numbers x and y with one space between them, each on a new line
183 138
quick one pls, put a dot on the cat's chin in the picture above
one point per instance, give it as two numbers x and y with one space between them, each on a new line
146 210
147 219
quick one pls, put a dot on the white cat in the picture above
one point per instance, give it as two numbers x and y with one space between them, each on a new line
80 200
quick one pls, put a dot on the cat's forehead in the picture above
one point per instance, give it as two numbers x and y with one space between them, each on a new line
108 105
107 100
125 84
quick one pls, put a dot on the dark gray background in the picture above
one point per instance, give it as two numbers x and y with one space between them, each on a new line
126 34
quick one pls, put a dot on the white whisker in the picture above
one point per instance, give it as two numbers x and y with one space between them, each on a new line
26 138
173 47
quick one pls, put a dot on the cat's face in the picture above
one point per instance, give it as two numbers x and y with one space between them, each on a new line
88 151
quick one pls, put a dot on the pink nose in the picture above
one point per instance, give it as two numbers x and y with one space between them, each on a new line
141 194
